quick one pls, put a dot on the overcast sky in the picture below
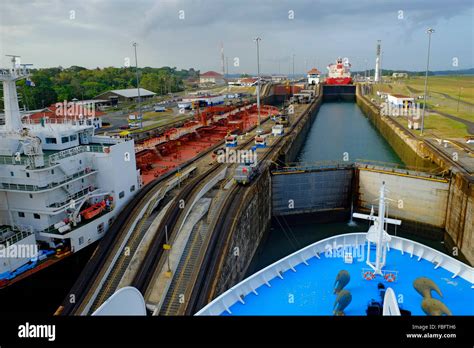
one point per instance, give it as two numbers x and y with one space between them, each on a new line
188 33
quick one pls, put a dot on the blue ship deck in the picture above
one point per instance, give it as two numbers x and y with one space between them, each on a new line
303 282
309 290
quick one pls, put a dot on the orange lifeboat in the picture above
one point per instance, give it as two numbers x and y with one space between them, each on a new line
93 210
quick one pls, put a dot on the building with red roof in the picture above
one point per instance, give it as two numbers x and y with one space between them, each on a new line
248 81
79 112
211 77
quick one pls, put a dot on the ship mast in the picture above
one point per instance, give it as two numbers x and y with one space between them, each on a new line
9 78
377 234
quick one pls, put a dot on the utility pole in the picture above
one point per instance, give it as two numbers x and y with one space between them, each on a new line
259 128
429 32
228 87
459 97
138 87
293 84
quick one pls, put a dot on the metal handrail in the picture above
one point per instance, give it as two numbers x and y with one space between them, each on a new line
34 188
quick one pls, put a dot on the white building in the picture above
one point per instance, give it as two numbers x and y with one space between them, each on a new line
400 100
211 77
400 75
208 99
313 76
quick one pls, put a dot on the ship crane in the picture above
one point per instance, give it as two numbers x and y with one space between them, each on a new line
377 235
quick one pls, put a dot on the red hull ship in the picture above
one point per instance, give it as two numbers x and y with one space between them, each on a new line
158 155
339 73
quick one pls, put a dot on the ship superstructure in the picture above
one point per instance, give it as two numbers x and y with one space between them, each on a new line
61 186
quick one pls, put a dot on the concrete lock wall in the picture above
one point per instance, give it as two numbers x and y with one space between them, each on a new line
459 224
460 217
311 191
250 223
410 150
414 199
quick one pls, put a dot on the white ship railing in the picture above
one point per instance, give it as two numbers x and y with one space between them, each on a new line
57 183
50 160
9 236
238 292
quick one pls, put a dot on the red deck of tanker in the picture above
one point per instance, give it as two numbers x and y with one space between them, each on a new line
158 155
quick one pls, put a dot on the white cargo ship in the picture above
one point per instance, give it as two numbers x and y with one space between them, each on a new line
61 186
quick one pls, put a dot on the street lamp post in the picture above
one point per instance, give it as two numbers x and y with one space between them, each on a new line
459 98
138 86
257 40
429 32
293 84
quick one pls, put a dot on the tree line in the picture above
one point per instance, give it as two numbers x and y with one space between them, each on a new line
53 85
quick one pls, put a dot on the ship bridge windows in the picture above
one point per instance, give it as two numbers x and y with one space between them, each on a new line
122 194
51 141
36 216
73 137
132 188
64 139
21 214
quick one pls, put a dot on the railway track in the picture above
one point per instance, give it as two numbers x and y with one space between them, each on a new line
92 287
213 258
106 247
109 245
155 253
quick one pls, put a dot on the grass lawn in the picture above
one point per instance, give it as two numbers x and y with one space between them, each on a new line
443 92
151 115
440 127
164 120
